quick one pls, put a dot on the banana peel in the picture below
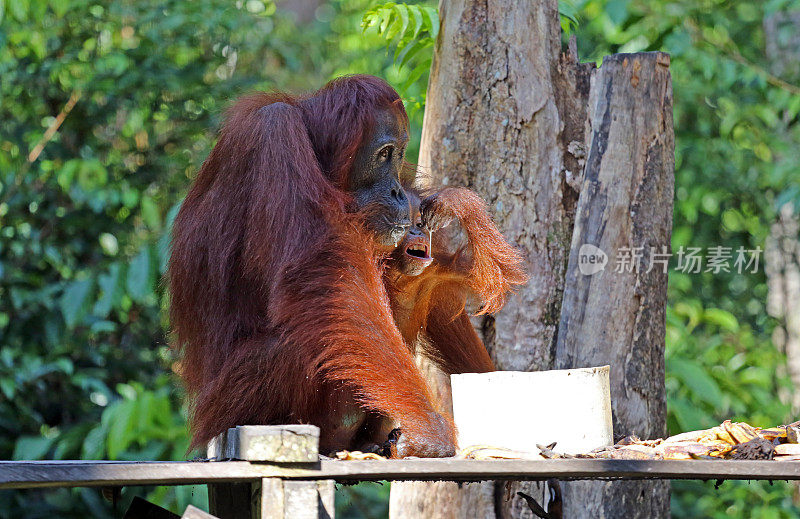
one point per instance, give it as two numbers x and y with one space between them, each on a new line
729 440
787 449
357 456
488 452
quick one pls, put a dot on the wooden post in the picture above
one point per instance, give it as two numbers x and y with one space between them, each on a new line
272 498
507 115
290 499
616 315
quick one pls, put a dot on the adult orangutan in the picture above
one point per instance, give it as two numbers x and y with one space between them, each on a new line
277 301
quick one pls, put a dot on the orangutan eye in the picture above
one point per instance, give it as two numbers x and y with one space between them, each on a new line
385 154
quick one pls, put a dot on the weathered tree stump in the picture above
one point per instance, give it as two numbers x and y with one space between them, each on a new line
617 316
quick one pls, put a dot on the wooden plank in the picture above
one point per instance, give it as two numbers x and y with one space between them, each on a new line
300 500
271 505
37 474
224 446
278 443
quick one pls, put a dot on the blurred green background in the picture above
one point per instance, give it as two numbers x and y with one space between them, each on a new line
135 90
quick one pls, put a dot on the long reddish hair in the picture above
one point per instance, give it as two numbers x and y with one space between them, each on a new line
276 294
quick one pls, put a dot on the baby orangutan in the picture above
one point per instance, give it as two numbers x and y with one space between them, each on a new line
432 274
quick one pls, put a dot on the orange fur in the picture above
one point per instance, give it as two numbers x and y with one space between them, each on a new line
433 303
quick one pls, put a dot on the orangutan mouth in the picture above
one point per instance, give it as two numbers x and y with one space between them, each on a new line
418 248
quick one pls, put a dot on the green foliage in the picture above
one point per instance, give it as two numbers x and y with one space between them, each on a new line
568 11
410 29
105 108
364 500
719 369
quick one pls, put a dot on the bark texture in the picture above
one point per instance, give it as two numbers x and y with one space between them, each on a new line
617 316
782 258
508 115
782 41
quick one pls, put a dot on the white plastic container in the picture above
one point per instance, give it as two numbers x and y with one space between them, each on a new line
517 410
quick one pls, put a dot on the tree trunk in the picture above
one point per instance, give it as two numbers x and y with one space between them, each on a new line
782 42
506 115
782 257
492 124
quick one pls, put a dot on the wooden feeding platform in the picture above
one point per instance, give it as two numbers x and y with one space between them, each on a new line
278 472
41 474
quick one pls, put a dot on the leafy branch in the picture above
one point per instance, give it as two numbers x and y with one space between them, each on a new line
410 29
729 48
